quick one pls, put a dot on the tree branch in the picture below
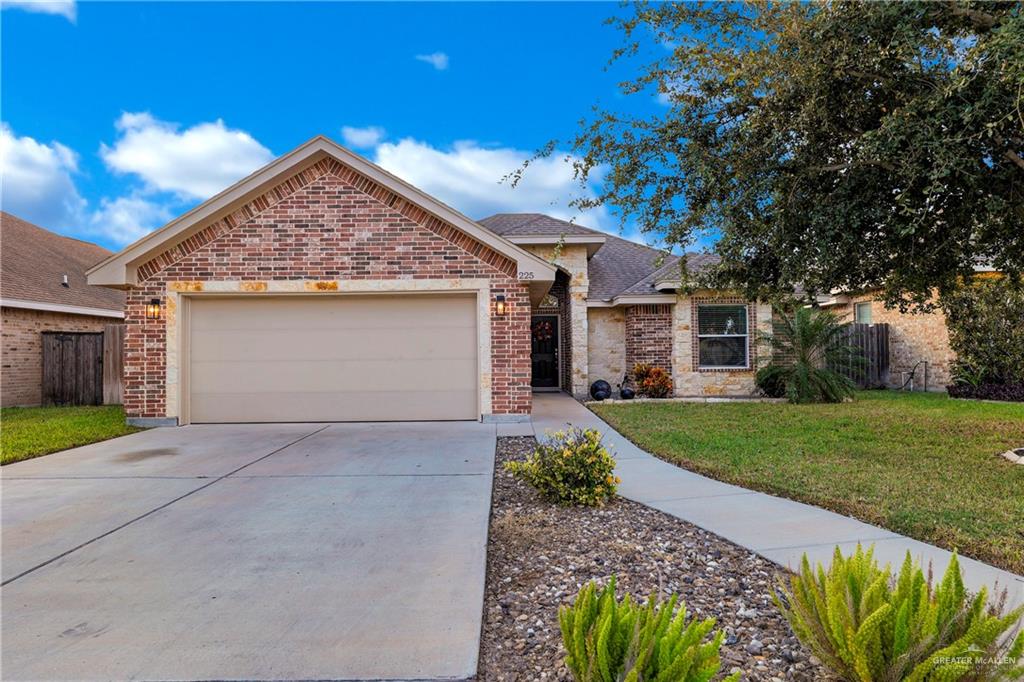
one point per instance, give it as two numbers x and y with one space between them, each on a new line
1014 157
980 20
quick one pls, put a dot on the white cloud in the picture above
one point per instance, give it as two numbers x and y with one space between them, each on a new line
439 60
468 177
65 8
125 219
362 138
194 163
36 181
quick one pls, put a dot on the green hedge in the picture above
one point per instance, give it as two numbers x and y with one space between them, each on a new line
986 333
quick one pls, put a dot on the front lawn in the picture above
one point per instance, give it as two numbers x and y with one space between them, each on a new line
919 464
27 432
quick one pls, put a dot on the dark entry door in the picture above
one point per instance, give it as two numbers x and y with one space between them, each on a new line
544 351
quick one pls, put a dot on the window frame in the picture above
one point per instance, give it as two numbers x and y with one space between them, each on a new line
746 365
858 306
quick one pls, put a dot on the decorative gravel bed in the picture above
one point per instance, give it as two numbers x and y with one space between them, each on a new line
540 554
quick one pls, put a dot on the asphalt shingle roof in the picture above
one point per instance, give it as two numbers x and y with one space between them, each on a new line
33 262
620 267
513 224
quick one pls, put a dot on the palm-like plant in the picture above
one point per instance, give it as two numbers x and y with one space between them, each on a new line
811 359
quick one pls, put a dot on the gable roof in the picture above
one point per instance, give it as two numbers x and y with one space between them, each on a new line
619 268
519 224
33 262
121 269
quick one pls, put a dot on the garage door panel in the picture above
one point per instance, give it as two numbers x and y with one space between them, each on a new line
321 376
333 358
331 344
342 312
371 406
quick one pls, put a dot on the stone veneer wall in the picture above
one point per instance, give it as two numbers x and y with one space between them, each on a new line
649 335
573 259
21 374
329 224
912 337
606 344
689 379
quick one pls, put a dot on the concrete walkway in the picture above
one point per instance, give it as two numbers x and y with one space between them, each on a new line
778 529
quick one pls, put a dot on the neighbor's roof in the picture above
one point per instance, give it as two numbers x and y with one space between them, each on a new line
620 267
33 262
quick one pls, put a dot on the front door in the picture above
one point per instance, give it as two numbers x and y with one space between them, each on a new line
544 351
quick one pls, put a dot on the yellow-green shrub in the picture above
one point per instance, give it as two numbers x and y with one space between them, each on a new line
608 640
571 467
867 625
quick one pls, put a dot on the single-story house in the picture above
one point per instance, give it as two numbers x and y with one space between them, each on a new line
43 289
323 288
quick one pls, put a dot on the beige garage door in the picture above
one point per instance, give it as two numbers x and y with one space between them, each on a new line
333 358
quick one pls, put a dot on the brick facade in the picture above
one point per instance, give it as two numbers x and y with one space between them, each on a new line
21 375
649 336
326 223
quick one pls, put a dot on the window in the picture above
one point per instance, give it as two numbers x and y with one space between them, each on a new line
723 336
549 301
862 313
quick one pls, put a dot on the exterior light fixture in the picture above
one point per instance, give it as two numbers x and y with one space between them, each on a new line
153 309
499 304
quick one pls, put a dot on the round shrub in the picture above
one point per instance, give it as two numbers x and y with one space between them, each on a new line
571 467
652 382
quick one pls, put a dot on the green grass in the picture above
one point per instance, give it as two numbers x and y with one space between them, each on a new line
919 464
27 432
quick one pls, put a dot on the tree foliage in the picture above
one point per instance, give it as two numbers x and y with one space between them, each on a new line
986 331
845 145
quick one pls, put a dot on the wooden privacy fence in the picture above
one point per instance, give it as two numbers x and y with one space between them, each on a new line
83 368
113 364
873 342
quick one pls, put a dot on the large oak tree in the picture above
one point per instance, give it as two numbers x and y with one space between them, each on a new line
845 145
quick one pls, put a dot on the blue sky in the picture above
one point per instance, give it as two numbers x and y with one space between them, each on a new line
119 116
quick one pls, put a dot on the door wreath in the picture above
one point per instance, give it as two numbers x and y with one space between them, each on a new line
543 330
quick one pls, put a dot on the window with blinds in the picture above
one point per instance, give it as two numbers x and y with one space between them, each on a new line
723 335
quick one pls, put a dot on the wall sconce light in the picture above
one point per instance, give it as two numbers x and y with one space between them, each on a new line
153 309
499 304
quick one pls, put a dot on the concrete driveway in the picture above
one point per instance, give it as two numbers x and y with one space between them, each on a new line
262 552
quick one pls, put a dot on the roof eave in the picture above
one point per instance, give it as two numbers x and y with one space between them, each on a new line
633 299
592 242
120 270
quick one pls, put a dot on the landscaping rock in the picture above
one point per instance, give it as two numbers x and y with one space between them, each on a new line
540 555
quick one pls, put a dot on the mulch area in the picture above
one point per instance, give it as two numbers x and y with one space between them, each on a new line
540 554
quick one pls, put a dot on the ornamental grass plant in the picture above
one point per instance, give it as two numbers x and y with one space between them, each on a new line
610 640
867 625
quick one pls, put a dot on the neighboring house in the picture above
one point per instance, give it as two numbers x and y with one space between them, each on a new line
322 288
916 340
43 289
